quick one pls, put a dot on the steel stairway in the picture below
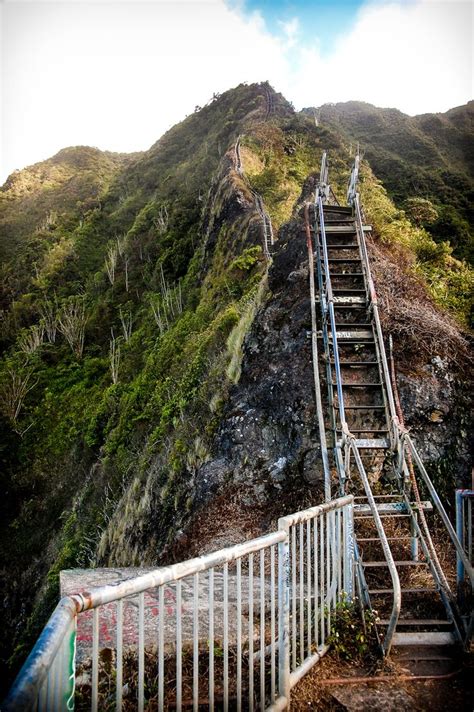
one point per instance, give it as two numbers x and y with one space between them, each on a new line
399 574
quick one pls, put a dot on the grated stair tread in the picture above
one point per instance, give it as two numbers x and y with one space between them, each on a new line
383 564
410 591
427 638
407 622
351 260
377 539
359 385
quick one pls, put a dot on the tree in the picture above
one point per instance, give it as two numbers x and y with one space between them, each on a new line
13 392
49 319
111 262
72 323
114 357
30 340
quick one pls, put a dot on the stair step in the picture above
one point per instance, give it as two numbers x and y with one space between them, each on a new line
408 622
427 638
364 430
380 496
345 229
355 363
346 209
390 507
359 385
372 443
354 342
351 260
383 564
410 591
344 246
362 407
349 290
349 299
353 334
389 538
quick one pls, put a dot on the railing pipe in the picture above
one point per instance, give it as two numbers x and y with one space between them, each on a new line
439 506
332 318
316 378
374 303
24 692
397 594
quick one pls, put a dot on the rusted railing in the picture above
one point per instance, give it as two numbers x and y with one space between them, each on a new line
234 629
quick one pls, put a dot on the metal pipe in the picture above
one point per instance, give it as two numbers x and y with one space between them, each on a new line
166 574
95 660
211 639
29 681
316 581
239 634
315 359
272 625
301 586
141 652
284 612
196 642
291 519
179 647
262 628
460 536
439 506
293 596
225 641
308 586
397 595
306 666
251 633
161 648
119 658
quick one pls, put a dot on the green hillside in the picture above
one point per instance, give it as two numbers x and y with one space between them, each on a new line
428 157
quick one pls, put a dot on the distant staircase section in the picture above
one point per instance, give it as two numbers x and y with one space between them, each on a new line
366 443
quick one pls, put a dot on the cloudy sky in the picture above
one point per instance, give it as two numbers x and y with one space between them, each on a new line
117 73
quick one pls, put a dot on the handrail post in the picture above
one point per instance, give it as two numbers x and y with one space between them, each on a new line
284 612
460 535
348 571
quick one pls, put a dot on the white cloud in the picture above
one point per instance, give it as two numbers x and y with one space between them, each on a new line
117 74
415 56
290 30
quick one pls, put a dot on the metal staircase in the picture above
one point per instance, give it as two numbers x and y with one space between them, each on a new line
366 444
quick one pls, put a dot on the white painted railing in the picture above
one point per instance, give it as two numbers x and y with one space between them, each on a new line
234 629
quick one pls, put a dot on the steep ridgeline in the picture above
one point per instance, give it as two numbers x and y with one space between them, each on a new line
426 163
156 390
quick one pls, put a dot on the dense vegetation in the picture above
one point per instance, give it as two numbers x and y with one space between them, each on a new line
129 284
425 162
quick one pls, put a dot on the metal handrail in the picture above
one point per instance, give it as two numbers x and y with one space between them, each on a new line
348 439
406 439
397 593
46 681
314 347
399 435
373 302
330 309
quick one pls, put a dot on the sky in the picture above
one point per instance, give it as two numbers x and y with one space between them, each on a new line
116 74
